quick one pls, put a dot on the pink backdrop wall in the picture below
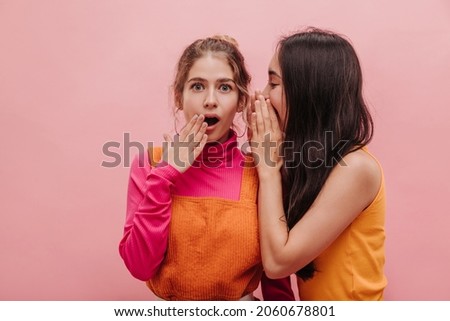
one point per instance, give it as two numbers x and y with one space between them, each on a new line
77 74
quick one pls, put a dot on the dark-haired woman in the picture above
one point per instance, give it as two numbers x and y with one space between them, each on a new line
321 196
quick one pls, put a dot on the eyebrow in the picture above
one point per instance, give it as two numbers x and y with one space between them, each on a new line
273 73
220 80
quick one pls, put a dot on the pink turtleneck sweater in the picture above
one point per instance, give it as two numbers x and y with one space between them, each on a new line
217 172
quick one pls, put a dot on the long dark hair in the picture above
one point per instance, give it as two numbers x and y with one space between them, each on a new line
326 116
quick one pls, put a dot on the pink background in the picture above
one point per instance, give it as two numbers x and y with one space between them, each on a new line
77 74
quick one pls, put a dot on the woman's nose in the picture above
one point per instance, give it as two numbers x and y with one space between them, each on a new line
265 92
210 99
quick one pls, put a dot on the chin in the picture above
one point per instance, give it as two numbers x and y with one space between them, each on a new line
213 139
218 137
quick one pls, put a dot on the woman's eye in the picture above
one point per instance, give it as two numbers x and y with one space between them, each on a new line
225 88
197 86
272 85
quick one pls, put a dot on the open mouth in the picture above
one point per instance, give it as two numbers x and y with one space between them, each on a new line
211 120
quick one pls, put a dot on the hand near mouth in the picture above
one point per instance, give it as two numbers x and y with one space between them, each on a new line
248 118
267 138
181 151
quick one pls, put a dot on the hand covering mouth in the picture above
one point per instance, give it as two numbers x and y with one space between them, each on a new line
278 115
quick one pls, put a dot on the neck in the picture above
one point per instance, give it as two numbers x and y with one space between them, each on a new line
220 153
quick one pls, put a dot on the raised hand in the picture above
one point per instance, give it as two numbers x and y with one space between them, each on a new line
181 151
267 137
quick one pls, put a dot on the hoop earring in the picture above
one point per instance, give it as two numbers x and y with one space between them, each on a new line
175 125
175 120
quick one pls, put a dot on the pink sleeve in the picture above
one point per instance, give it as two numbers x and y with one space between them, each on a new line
147 221
277 289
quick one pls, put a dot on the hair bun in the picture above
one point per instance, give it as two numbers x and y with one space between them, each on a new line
227 39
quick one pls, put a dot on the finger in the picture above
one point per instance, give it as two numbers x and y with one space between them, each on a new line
169 141
195 129
254 129
201 145
273 116
252 103
199 135
259 118
250 109
248 112
265 113
198 124
253 99
248 120
187 128
167 138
